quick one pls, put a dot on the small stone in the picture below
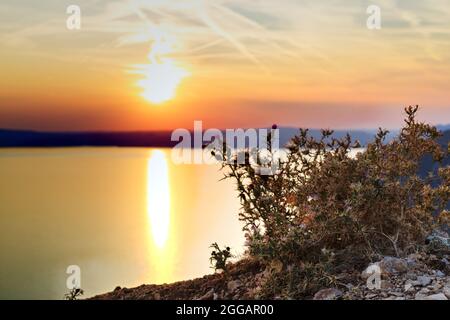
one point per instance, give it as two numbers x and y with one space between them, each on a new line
440 274
373 267
411 262
419 296
208 296
328 294
397 294
414 256
408 287
446 291
424 280
411 276
436 286
349 286
385 285
233 285
438 242
424 291
392 265
439 296
388 266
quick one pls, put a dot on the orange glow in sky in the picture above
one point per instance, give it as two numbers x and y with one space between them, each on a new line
228 63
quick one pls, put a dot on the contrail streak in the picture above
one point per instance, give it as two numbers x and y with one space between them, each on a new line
217 29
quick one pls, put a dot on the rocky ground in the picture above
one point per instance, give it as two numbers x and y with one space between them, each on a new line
419 276
416 277
238 284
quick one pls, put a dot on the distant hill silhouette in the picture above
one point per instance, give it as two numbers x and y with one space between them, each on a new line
428 165
22 138
364 136
443 127
27 138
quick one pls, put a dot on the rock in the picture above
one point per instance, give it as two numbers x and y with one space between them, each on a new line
385 285
424 280
349 286
396 294
328 294
424 291
233 285
422 294
411 276
439 274
419 296
370 270
436 286
412 260
415 256
438 241
388 266
415 283
446 291
408 287
208 296
392 265
438 296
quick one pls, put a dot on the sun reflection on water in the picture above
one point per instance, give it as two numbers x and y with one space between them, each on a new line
158 198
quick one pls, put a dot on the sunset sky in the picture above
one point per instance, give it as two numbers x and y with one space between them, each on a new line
229 63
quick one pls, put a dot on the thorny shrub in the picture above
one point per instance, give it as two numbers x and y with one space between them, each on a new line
322 197
74 294
219 257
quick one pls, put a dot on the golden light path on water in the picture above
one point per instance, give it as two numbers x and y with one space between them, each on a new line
158 197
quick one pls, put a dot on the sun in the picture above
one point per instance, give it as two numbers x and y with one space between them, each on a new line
163 75
161 80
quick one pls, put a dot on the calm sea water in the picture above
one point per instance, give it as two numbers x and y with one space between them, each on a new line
124 216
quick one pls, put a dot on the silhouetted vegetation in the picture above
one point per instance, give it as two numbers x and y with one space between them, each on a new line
219 257
74 294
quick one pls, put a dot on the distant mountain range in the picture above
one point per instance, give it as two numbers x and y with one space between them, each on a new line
23 138
27 138
428 165
443 127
